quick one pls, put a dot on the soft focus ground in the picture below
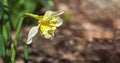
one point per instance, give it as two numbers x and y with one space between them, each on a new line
90 36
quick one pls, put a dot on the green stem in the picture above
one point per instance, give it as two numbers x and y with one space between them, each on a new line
16 40
37 17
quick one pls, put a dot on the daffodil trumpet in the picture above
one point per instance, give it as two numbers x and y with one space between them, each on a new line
47 24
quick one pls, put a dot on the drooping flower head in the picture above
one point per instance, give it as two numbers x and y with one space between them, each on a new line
47 24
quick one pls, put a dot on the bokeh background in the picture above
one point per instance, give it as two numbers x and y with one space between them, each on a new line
90 32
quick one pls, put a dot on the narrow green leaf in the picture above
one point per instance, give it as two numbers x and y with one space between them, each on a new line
26 53
18 8
1 11
5 33
16 40
47 3
2 46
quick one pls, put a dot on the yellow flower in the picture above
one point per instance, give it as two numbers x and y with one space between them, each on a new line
47 25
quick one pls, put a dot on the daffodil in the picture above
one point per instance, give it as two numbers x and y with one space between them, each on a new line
47 24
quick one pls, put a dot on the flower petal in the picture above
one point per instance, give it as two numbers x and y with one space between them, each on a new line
47 15
29 42
60 22
57 13
33 31
52 36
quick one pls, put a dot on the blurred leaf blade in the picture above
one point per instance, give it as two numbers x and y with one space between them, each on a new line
2 46
26 53
6 31
47 3
16 40
19 8
4 12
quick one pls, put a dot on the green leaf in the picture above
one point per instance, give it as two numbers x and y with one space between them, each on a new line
47 3
4 13
6 31
18 8
26 53
2 46
16 40
1 11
